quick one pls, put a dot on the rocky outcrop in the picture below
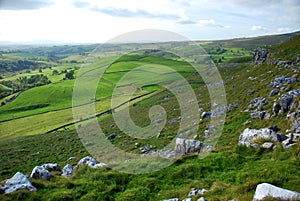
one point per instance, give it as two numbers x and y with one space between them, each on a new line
282 81
259 56
187 146
91 162
266 190
40 173
18 182
67 170
249 136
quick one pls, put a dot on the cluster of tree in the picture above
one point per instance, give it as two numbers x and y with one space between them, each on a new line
24 83
12 66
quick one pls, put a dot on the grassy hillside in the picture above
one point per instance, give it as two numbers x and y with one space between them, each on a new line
228 172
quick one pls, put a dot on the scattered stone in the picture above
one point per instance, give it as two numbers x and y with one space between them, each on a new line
207 133
187 199
173 199
39 172
71 158
248 137
146 148
195 191
258 115
18 182
186 146
268 145
265 190
91 162
274 92
202 199
247 122
232 106
205 115
51 167
257 103
67 170
172 121
112 136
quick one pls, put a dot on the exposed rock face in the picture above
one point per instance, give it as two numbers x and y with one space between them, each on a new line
67 170
90 162
259 56
18 182
265 190
40 173
186 146
249 136
258 115
257 103
51 167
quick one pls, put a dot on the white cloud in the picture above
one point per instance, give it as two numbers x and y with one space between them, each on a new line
98 21
258 28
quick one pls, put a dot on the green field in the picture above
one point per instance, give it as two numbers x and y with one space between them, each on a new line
228 172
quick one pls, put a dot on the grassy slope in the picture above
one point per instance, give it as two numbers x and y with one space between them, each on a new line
228 172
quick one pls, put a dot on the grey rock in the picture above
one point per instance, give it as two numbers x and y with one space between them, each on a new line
259 56
18 182
281 137
274 92
232 106
146 148
173 199
187 199
195 191
51 167
285 102
268 145
282 80
268 190
276 108
39 172
202 199
186 146
71 158
248 137
257 103
112 136
205 115
291 140
295 126
257 115
67 170
91 162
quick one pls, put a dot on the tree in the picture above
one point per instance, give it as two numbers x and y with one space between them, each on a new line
70 75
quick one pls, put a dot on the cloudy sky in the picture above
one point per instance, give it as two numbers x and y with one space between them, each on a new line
100 20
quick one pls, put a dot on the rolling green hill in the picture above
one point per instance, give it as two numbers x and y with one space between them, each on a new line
229 172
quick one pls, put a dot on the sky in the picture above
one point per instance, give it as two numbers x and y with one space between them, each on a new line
93 21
